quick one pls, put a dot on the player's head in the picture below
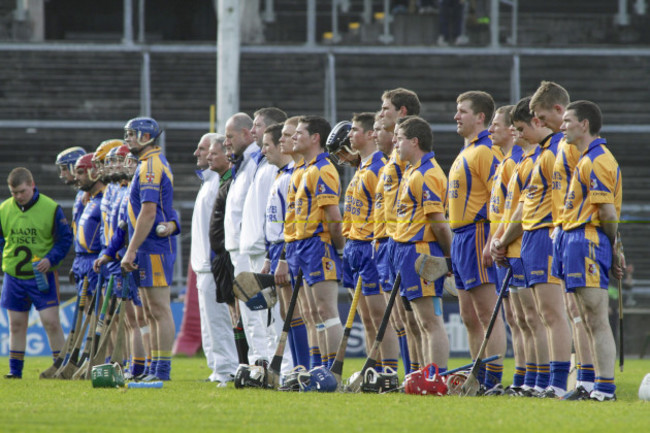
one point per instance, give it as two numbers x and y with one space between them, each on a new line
382 137
413 136
361 132
21 185
217 157
130 164
114 163
286 140
238 133
500 131
86 173
201 151
581 119
339 147
65 162
140 132
474 109
99 158
271 145
548 104
311 132
526 124
263 118
397 103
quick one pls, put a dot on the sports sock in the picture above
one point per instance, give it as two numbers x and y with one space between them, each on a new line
55 354
587 376
531 375
543 376
137 366
330 359
404 349
300 341
481 373
16 362
559 374
389 363
605 385
314 357
164 366
415 366
519 376
493 375
147 365
379 367
154 364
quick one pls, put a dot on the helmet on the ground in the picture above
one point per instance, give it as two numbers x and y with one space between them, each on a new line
419 382
318 379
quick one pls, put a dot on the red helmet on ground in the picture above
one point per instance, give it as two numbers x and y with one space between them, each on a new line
419 383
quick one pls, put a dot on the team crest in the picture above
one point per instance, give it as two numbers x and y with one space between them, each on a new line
321 189
150 177
427 195
591 269
594 184
328 265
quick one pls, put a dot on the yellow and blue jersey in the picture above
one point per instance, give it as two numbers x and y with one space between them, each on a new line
422 193
152 182
565 162
87 234
290 217
379 215
363 198
596 180
538 196
319 187
348 200
392 177
470 181
518 182
500 186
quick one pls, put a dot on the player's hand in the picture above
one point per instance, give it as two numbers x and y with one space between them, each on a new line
128 262
72 278
44 265
282 273
498 251
266 269
486 258
618 264
97 264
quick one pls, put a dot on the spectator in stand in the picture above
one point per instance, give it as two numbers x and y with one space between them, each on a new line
452 22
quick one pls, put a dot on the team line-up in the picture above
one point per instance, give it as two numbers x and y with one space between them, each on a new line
527 215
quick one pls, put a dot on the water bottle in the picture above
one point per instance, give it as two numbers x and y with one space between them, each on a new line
41 279
154 384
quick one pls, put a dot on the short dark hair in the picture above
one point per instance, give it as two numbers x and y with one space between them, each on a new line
590 111
548 94
271 115
401 97
521 111
317 125
366 120
18 176
417 127
276 132
481 102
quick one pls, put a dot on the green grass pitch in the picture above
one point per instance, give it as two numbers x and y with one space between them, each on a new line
188 404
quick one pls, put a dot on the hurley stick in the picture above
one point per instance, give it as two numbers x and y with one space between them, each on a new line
337 366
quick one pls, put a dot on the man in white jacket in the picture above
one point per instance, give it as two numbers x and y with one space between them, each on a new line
216 329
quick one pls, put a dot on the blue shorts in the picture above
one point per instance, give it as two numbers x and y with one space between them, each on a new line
84 268
132 293
466 252
587 258
557 267
154 270
275 251
318 260
382 260
291 257
517 279
412 286
537 256
359 257
391 263
347 275
19 295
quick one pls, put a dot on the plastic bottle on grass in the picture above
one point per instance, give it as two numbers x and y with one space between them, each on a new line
155 384
41 278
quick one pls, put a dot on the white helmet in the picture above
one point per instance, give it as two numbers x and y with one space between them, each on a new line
644 389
